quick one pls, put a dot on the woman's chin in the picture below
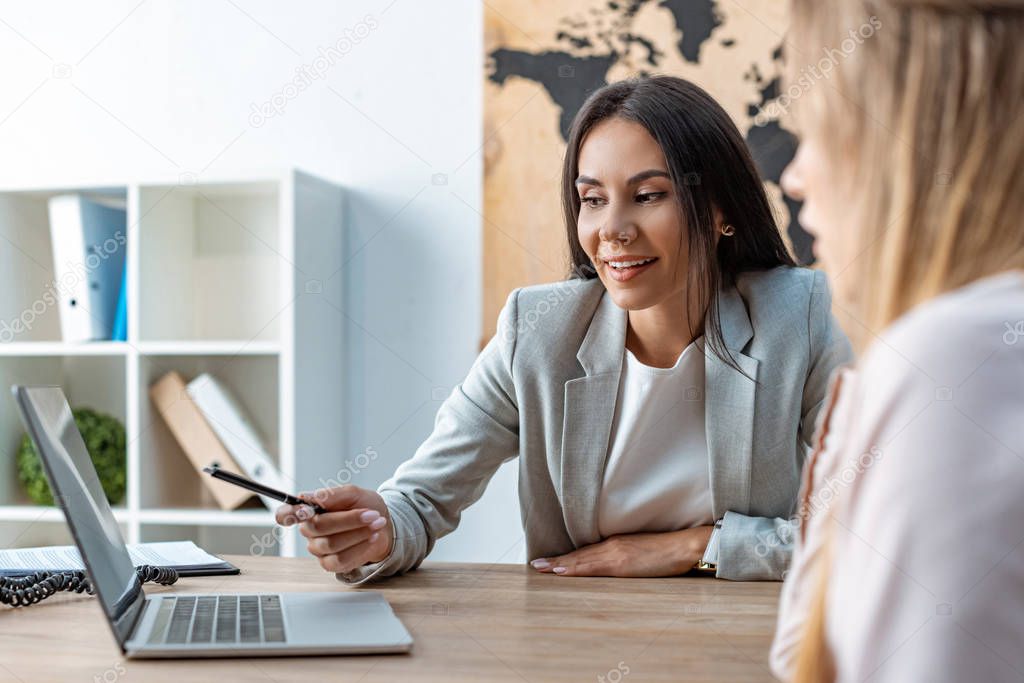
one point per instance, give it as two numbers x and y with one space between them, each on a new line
629 298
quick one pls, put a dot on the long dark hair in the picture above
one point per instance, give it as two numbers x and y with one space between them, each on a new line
710 167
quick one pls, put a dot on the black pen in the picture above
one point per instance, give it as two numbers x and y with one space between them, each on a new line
261 489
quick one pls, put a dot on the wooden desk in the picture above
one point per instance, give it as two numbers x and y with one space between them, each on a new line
470 622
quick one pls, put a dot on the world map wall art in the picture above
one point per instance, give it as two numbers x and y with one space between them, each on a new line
542 61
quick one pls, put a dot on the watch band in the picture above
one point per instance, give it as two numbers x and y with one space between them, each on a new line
709 562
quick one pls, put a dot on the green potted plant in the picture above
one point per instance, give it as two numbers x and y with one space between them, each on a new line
104 437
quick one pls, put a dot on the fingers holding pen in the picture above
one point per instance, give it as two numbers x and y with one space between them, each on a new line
350 530
345 540
314 503
287 515
328 523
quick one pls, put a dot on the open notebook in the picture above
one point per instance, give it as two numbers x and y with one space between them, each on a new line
184 556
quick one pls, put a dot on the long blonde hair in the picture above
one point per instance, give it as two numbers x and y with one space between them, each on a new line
923 119
923 122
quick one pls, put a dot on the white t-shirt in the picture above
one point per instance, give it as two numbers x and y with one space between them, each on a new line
656 478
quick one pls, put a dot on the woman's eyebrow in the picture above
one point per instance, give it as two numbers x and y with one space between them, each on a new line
636 178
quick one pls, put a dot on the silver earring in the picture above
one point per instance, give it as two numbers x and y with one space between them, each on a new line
728 230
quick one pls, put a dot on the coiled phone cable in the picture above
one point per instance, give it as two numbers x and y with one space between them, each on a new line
20 591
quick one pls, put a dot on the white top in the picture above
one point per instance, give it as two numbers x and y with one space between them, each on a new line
656 478
914 501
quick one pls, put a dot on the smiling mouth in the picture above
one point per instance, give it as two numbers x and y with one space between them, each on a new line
620 265
623 269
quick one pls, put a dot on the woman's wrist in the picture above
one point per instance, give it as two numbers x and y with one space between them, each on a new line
689 546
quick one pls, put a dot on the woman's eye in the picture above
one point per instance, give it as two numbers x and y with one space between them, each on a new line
592 202
648 197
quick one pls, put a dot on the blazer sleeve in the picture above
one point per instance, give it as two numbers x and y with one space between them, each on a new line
760 548
475 431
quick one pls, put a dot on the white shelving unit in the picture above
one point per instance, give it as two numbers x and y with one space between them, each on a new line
237 276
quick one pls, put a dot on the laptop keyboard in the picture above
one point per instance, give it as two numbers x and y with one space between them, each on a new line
221 619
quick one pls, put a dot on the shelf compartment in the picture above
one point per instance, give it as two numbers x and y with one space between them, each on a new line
28 298
170 480
96 382
209 262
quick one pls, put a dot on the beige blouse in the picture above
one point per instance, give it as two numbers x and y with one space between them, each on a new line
916 489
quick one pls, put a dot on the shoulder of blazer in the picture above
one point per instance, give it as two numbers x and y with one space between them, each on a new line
781 296
553 318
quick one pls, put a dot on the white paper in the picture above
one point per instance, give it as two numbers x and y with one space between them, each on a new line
66 557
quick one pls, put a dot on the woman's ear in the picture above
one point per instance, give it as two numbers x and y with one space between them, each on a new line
719 224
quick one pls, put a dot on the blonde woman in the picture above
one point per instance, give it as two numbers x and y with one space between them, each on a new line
909 562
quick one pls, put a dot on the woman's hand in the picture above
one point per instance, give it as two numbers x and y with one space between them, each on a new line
665 554
354 531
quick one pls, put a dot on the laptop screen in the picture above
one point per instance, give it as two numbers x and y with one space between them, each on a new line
76 488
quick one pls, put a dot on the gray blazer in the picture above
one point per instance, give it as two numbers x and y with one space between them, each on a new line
544 389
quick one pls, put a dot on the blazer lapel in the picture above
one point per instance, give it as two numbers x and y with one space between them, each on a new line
589 410
729 410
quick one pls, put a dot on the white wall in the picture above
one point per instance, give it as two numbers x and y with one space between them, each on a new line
96 91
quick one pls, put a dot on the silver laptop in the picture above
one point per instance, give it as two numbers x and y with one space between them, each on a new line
190 625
